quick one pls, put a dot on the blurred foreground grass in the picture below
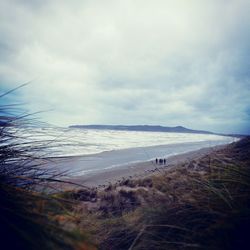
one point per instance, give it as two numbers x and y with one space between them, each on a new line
27 217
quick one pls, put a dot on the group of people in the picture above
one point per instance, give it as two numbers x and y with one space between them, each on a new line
160 161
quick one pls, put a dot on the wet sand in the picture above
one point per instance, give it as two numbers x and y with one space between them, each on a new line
134 170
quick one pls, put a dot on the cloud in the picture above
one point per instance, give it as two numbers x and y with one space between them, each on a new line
132 62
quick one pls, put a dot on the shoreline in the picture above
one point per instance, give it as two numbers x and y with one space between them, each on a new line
134 170
210 143
90 163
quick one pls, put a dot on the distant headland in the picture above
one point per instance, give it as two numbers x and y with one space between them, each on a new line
151 128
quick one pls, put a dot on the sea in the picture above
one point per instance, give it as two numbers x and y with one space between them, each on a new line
61 142
89 151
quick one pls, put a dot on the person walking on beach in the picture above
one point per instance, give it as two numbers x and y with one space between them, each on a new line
156 161
164 161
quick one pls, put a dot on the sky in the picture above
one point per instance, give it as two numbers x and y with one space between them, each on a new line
127 62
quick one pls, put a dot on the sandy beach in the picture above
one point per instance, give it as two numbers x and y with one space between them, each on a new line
127 171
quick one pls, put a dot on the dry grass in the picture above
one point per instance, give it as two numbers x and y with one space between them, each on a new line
200 204
29 219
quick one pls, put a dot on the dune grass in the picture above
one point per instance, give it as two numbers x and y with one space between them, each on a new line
200 204
30 219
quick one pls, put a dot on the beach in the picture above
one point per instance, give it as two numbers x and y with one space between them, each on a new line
100 170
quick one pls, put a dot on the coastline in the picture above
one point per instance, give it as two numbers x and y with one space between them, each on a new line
133 170
207 189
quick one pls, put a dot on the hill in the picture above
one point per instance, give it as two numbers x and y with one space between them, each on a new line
151 128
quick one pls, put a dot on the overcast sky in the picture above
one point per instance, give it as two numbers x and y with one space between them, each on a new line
130 61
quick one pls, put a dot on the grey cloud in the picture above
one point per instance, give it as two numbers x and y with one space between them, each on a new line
156 62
